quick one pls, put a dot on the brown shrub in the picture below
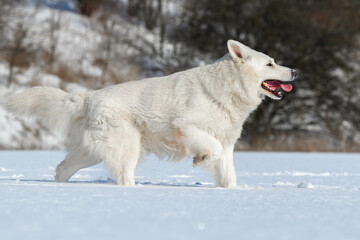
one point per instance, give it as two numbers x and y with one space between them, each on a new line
66 73
22 59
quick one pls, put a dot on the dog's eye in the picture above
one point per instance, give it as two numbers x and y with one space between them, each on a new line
269 64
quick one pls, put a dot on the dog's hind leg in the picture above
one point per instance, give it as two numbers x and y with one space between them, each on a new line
75 160
78 156
120 149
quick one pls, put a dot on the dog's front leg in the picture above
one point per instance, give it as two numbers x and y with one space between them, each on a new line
205 147
225 170
210 153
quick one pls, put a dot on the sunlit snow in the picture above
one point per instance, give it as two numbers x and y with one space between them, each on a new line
280 196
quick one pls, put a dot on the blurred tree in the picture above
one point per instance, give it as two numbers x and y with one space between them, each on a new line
15 28
88 7
146 11
53 34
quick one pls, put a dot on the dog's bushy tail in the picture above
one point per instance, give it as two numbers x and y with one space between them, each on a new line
55 108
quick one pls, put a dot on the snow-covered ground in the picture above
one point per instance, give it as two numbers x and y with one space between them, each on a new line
280 196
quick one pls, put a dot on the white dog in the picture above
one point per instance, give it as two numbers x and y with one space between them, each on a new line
196 113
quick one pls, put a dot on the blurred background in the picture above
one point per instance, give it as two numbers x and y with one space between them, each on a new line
80 45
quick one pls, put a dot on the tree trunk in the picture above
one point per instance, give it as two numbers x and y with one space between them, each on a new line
11 71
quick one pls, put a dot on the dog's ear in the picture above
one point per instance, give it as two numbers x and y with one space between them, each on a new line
237 50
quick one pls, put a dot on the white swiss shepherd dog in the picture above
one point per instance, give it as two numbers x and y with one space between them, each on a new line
197 113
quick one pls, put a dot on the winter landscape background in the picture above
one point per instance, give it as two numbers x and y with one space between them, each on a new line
80 45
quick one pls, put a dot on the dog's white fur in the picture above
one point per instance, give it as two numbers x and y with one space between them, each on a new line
195 113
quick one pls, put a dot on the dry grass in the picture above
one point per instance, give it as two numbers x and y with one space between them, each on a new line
301 143
65 72
116 76
113 75
22 59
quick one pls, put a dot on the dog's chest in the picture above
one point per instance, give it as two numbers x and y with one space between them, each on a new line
224 126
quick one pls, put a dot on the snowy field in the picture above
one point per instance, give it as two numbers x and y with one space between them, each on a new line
280 196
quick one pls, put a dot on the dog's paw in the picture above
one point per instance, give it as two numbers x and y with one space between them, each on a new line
206 158
198 159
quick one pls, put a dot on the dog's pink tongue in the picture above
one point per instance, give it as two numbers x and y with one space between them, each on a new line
273 84
286 87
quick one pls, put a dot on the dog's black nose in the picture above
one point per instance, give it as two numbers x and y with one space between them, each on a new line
293 73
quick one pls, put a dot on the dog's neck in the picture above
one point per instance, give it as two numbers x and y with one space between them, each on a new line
224 75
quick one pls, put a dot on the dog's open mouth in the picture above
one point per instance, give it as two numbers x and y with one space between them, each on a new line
276 87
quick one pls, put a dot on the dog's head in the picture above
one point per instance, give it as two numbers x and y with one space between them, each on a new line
260 71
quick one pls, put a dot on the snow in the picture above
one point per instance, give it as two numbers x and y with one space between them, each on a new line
50 80
280 196
305 185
